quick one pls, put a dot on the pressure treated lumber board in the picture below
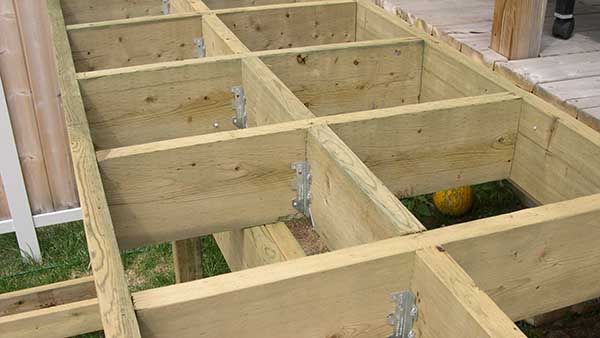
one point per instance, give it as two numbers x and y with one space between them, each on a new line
160 103
363 76
193 183
83 11
556 157
219 39
349 204
440 73
293 25
257 246
130 42
105 259
423 148
55 322
269 100
445 290
496 252
360 279
47 296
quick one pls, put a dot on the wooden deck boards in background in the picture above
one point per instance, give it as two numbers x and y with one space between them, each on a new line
567 73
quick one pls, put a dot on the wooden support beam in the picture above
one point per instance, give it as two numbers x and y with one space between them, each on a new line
257 246
446 291
131 42
517 28
187 255
111 285
349 204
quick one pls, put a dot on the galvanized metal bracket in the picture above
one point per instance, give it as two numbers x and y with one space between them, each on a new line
239 105
404 316
199 48
166 7
303 180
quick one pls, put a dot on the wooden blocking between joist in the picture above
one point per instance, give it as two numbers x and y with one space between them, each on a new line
160 103
200 185
418 149
292 25
350 77
84 11
349 204
131 42
556 157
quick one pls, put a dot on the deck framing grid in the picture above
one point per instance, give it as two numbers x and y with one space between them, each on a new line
407 115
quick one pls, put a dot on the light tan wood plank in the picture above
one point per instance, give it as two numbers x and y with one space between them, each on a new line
194 183
517 28
134 42
537 268
440 71
257 246
219 39
268 99
556 157
161 103
424 148
220 4
187 256
373 22
83 11
350 78
116 308
56 322
446 291
295 25
47 296
349 205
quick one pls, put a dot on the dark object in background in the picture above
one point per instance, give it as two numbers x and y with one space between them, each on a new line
564 22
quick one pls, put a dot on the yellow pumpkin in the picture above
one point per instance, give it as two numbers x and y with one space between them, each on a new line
454 202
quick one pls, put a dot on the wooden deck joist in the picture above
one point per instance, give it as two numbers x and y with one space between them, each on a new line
376 107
